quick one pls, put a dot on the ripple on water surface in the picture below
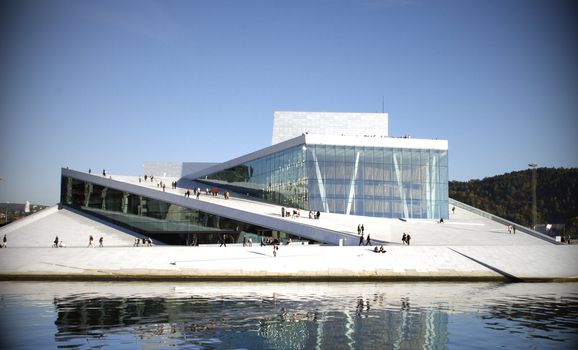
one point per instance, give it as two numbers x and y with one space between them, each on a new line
288 315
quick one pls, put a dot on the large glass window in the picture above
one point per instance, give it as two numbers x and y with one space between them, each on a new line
347 180
166 222
378 181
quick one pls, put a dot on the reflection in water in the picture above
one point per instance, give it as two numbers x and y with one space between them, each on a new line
302 316
275 322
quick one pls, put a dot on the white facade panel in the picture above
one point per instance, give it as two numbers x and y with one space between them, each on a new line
288 125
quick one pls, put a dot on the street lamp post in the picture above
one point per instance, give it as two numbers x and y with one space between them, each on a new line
5 208
533 166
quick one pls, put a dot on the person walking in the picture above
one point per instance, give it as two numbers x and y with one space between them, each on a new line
4 242
361 239
368 242
358 229
404 238
100 240
90 239
407 239
362 229
223 241
55 242
514 229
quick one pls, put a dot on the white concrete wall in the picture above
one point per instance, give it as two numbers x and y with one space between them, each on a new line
287 125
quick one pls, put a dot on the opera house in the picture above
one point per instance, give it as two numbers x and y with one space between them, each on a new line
319 163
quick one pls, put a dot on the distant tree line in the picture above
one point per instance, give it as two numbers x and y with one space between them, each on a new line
510 196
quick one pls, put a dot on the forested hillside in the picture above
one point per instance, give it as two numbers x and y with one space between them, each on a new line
510 196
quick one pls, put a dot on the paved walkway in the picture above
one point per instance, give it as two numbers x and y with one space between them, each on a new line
293 262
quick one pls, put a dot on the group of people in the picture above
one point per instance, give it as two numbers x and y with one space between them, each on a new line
146 242
362 239
290 213
361 233
406 238
314 215
380 250
214 192
162 185
58 243
91 240
247 241
269 241
196 192
296 213
511 229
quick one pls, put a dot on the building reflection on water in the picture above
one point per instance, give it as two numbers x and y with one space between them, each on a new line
262 322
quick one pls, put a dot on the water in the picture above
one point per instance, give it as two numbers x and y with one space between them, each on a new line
211 315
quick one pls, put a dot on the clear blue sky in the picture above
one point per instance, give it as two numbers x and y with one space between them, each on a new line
113 84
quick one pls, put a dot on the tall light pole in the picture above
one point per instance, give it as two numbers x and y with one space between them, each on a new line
533 166
5 209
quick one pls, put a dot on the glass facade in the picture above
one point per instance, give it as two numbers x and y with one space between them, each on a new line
368 181
278 178
166 222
